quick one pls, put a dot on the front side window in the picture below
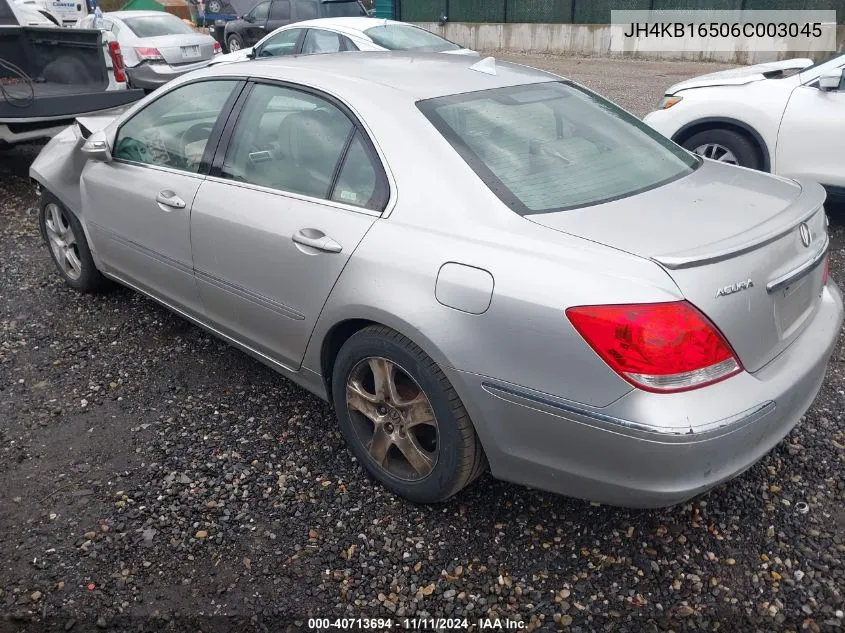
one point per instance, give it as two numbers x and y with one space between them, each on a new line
173 130
155 25
341 9
301 143
283 43
320 41
402 37
553 146
306 9
280 10
259 12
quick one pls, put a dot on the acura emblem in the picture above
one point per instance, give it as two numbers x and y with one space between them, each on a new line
804 231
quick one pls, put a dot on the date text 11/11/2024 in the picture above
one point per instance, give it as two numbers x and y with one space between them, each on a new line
414 624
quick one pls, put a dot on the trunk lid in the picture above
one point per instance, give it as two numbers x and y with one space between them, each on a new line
744 247
180 49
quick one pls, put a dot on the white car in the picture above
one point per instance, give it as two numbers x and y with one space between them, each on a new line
32 14
334 35
785 117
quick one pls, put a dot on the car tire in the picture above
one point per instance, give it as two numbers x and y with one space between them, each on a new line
68 246
725 146
214 6
234 42
424 461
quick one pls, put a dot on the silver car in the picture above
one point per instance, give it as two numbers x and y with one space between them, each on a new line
156 46
475 262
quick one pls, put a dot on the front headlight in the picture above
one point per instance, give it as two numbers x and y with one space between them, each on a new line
668 101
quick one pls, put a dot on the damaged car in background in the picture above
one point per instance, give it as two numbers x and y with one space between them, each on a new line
579 303
49 75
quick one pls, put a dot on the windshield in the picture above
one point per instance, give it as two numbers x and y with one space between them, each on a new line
824 61
155 25
553 146
342 9
401 37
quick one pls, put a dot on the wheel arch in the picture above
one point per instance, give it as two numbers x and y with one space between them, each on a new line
322 358
726 123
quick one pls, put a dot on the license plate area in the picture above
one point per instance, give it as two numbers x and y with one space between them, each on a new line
794 304
189 52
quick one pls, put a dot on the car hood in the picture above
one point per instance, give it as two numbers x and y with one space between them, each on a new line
742 75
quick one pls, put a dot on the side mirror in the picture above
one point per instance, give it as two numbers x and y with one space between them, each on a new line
248 18
96 147
831 80
252 53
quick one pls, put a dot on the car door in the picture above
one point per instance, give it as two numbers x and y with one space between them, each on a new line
279 15
287 42
288 200
256 23
137 206
811 134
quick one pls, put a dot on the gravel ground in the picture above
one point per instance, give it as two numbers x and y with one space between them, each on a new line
153 478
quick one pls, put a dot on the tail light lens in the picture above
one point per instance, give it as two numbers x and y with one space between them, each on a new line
217 49
148 54
118 67
660 347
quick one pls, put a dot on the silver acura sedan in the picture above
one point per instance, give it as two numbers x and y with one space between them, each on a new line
474 262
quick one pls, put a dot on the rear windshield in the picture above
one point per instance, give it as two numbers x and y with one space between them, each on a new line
400 37
554 146
342 9
155 25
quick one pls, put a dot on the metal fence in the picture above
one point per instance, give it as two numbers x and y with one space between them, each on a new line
582 11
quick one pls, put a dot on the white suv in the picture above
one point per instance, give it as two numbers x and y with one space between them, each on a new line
786 117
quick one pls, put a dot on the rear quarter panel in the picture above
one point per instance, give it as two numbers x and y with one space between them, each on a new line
444 213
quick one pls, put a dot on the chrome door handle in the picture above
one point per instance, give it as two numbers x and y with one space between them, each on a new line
170 199
314 238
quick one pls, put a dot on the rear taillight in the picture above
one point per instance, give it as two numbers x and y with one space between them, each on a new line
118 67
217 49
148 54
661 347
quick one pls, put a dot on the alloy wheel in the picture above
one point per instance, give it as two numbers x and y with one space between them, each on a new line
716 152
234 45
62 241
393 418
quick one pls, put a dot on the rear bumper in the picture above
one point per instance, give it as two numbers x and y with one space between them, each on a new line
152 76
651 450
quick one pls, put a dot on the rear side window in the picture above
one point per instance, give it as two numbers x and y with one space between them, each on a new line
280 10
553 146
321 41
301 143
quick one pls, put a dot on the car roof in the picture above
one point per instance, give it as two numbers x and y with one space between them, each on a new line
388 74
352 25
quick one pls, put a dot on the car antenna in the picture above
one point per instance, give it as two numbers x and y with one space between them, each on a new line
486 66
